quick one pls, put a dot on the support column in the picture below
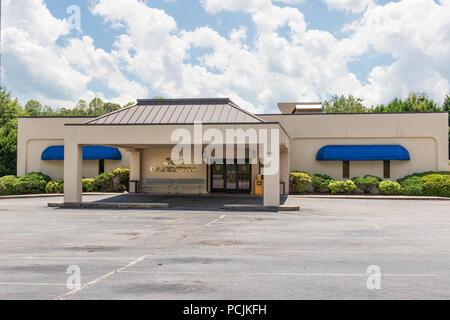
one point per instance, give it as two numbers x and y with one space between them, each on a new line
73 172
271 171
135 169
285 170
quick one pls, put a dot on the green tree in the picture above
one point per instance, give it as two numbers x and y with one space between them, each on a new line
110 107
342 104
33 108
9 107
8 147
446 105
415 102
96 107
9 110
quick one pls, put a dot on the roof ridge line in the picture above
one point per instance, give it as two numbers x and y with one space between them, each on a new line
110 113
234 105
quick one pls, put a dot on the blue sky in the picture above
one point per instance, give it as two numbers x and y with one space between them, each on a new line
258 52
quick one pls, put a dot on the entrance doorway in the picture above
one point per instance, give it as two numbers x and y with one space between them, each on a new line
231 178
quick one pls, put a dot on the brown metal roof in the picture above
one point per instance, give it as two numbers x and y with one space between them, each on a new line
178 111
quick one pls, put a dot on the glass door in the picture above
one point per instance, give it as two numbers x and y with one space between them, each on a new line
217 178
244 178
231 177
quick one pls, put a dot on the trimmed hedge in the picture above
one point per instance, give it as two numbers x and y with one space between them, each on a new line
320 183
7 185
55 186
423 174
113 181
436 185
31 183
298 181
89 185
347 186
367 184
414 185
389 187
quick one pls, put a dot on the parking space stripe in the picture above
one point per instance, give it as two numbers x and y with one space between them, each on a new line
132 263
288 274
31 284
217 220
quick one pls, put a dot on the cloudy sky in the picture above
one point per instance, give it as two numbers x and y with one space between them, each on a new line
257 52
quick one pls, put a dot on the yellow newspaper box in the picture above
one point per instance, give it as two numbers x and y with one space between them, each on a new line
259 186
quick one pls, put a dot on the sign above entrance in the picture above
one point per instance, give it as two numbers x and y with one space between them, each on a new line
170 167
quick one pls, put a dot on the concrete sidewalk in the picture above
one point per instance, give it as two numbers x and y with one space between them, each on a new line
55 195
366 197
313 196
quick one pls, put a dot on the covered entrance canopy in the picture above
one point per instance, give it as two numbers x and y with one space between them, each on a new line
146 130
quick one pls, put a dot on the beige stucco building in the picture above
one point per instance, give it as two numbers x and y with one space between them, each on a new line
35 135
340 145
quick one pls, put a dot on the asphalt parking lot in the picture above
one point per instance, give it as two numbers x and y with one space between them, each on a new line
322 252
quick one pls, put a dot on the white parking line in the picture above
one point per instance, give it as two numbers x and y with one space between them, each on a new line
132 263
217 220
377 227
63 258
31 284
105 276
288 274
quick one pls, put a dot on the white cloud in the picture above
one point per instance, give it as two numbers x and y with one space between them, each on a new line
36 67
270 66
355 6
416 33
214 6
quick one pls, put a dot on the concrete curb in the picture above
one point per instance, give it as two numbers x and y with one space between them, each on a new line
109 205
245 207
55 195
361 197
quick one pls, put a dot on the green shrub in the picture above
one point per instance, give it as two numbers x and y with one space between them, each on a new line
113 181
412 186
423 174
7 185
51 187
390 187
436 185
347 186
350 187
55 186
2 190
89 185
31 183
320 183
367 184
298 181
336 186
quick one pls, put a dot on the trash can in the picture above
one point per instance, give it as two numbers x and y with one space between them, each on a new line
259 186
134 186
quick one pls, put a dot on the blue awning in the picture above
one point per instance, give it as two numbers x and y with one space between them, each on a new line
363 153
89 153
